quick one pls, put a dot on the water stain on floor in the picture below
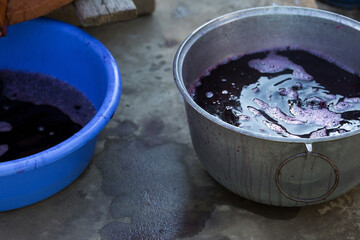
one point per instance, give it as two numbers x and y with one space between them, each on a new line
150 187
155 196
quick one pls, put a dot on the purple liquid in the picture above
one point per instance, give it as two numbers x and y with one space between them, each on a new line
286 92
38 112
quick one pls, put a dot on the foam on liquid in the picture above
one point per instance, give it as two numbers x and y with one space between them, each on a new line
287 92
38 112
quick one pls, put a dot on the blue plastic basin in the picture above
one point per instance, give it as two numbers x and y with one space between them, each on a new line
69 54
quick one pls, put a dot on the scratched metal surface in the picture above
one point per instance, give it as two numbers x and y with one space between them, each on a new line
145 181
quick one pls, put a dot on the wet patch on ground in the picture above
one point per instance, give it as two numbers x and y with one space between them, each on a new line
151 132
157 188
156 66
150 187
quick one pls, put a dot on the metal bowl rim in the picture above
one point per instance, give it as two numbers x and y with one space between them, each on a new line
242 14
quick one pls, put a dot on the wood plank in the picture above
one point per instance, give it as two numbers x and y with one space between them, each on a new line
121 9
144 6
3 21
23 10
302 3
66 14
97 12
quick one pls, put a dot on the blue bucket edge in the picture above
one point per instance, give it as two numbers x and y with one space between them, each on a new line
92 128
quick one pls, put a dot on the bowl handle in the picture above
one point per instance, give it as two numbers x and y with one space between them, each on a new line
307 154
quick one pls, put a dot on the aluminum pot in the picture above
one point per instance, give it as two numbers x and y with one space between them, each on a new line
271 169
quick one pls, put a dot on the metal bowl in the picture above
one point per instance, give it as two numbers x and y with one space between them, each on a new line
67 53
271 169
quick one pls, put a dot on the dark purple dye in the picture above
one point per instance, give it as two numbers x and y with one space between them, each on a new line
38 112
287 92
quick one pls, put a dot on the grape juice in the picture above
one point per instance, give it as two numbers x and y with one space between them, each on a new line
288 92
38 112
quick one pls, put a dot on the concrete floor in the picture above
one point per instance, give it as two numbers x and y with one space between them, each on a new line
145 181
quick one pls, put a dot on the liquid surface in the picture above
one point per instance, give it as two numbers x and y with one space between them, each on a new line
38 112
286 92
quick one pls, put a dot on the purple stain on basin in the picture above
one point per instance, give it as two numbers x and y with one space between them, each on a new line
90 68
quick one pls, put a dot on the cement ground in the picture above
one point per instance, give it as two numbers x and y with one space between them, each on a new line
145 180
